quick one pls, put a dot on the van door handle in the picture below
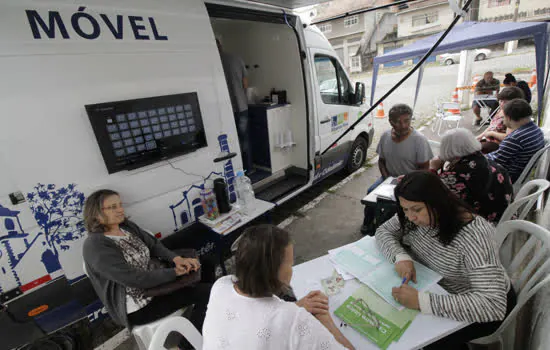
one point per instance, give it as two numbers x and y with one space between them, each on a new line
326 120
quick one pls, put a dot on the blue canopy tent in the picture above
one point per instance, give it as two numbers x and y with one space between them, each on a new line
470 35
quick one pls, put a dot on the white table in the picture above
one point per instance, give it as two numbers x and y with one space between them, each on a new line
482 101
259 206
373 196
424 330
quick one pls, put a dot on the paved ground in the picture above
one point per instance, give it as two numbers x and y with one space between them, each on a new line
329 214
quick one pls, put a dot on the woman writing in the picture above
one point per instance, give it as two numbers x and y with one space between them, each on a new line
440 231
244 312
117 255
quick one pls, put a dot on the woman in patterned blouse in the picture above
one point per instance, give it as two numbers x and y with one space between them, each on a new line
117 255
435 228
480 182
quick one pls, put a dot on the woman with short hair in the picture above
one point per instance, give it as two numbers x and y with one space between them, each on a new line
480 182
244 311
117 256
440 231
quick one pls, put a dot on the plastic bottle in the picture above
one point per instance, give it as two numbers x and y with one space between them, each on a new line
209 203
245 193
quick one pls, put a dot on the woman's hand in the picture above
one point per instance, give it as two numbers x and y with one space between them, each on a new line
315 303
185 265
406 296
436 163
405 269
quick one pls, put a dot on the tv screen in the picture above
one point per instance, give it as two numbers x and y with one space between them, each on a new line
135 133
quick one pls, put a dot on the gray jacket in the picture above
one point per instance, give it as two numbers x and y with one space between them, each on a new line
110 274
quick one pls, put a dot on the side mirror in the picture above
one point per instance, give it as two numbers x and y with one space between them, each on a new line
359 93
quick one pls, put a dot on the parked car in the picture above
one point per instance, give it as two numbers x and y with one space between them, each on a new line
452 58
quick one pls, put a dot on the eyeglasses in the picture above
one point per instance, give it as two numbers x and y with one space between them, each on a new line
112 207
366 314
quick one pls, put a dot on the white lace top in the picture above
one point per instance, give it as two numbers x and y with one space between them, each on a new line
234 321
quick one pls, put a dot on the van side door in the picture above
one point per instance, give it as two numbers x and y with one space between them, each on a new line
335 109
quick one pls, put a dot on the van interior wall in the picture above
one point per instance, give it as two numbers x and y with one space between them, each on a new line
273 48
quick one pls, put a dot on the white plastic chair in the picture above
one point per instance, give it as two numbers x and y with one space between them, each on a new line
533 164
525 199
144 333
527 281
443 116
180 325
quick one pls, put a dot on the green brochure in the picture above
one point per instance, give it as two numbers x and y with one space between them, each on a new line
370 315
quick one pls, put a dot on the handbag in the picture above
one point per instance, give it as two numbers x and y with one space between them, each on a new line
188 280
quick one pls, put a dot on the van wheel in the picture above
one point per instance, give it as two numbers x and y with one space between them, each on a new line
357 155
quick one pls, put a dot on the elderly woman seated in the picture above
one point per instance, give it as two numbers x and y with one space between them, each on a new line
482 183
245 313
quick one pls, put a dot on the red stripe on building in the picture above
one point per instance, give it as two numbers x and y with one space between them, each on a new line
35 283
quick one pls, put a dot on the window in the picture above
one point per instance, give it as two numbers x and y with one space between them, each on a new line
351 21
497 3
355 63
423 19
334 85
325 28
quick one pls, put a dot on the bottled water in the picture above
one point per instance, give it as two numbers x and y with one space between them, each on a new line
245 193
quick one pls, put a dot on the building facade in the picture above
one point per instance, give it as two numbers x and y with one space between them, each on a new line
503 10
354 37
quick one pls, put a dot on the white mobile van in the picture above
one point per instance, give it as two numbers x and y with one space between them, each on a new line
131 95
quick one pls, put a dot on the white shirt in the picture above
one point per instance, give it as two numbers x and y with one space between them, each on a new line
234 321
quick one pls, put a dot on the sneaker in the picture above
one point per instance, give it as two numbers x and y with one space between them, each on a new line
477 122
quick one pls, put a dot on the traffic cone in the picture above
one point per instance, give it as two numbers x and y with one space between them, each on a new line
455 100
380 111
474 83
533 81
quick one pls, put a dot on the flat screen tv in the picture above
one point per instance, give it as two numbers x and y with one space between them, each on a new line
135 133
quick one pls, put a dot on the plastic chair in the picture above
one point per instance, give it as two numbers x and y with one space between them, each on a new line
525 199
444 116
533 164
144 333
180 325
527 281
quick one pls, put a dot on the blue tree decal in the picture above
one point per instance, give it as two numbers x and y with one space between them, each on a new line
58 211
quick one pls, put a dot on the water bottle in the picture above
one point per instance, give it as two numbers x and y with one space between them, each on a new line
245 193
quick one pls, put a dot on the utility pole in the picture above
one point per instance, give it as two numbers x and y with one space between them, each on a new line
516 10
473 13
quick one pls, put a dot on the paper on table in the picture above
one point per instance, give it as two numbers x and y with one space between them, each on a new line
346 276
385 191
331 253
355 264
384 278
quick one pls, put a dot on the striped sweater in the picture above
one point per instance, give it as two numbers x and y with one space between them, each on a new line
470 266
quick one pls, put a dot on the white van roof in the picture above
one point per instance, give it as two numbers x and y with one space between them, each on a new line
316 39
289 4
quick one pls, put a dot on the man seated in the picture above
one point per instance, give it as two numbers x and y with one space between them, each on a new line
401 150
486 86
496 132
523 141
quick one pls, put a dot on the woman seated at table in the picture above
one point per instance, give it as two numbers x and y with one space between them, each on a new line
442 232
244 313
117 255
496 131
480 182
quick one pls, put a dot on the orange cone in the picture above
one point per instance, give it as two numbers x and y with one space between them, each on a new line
533 81
455 100
474 83
380 112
